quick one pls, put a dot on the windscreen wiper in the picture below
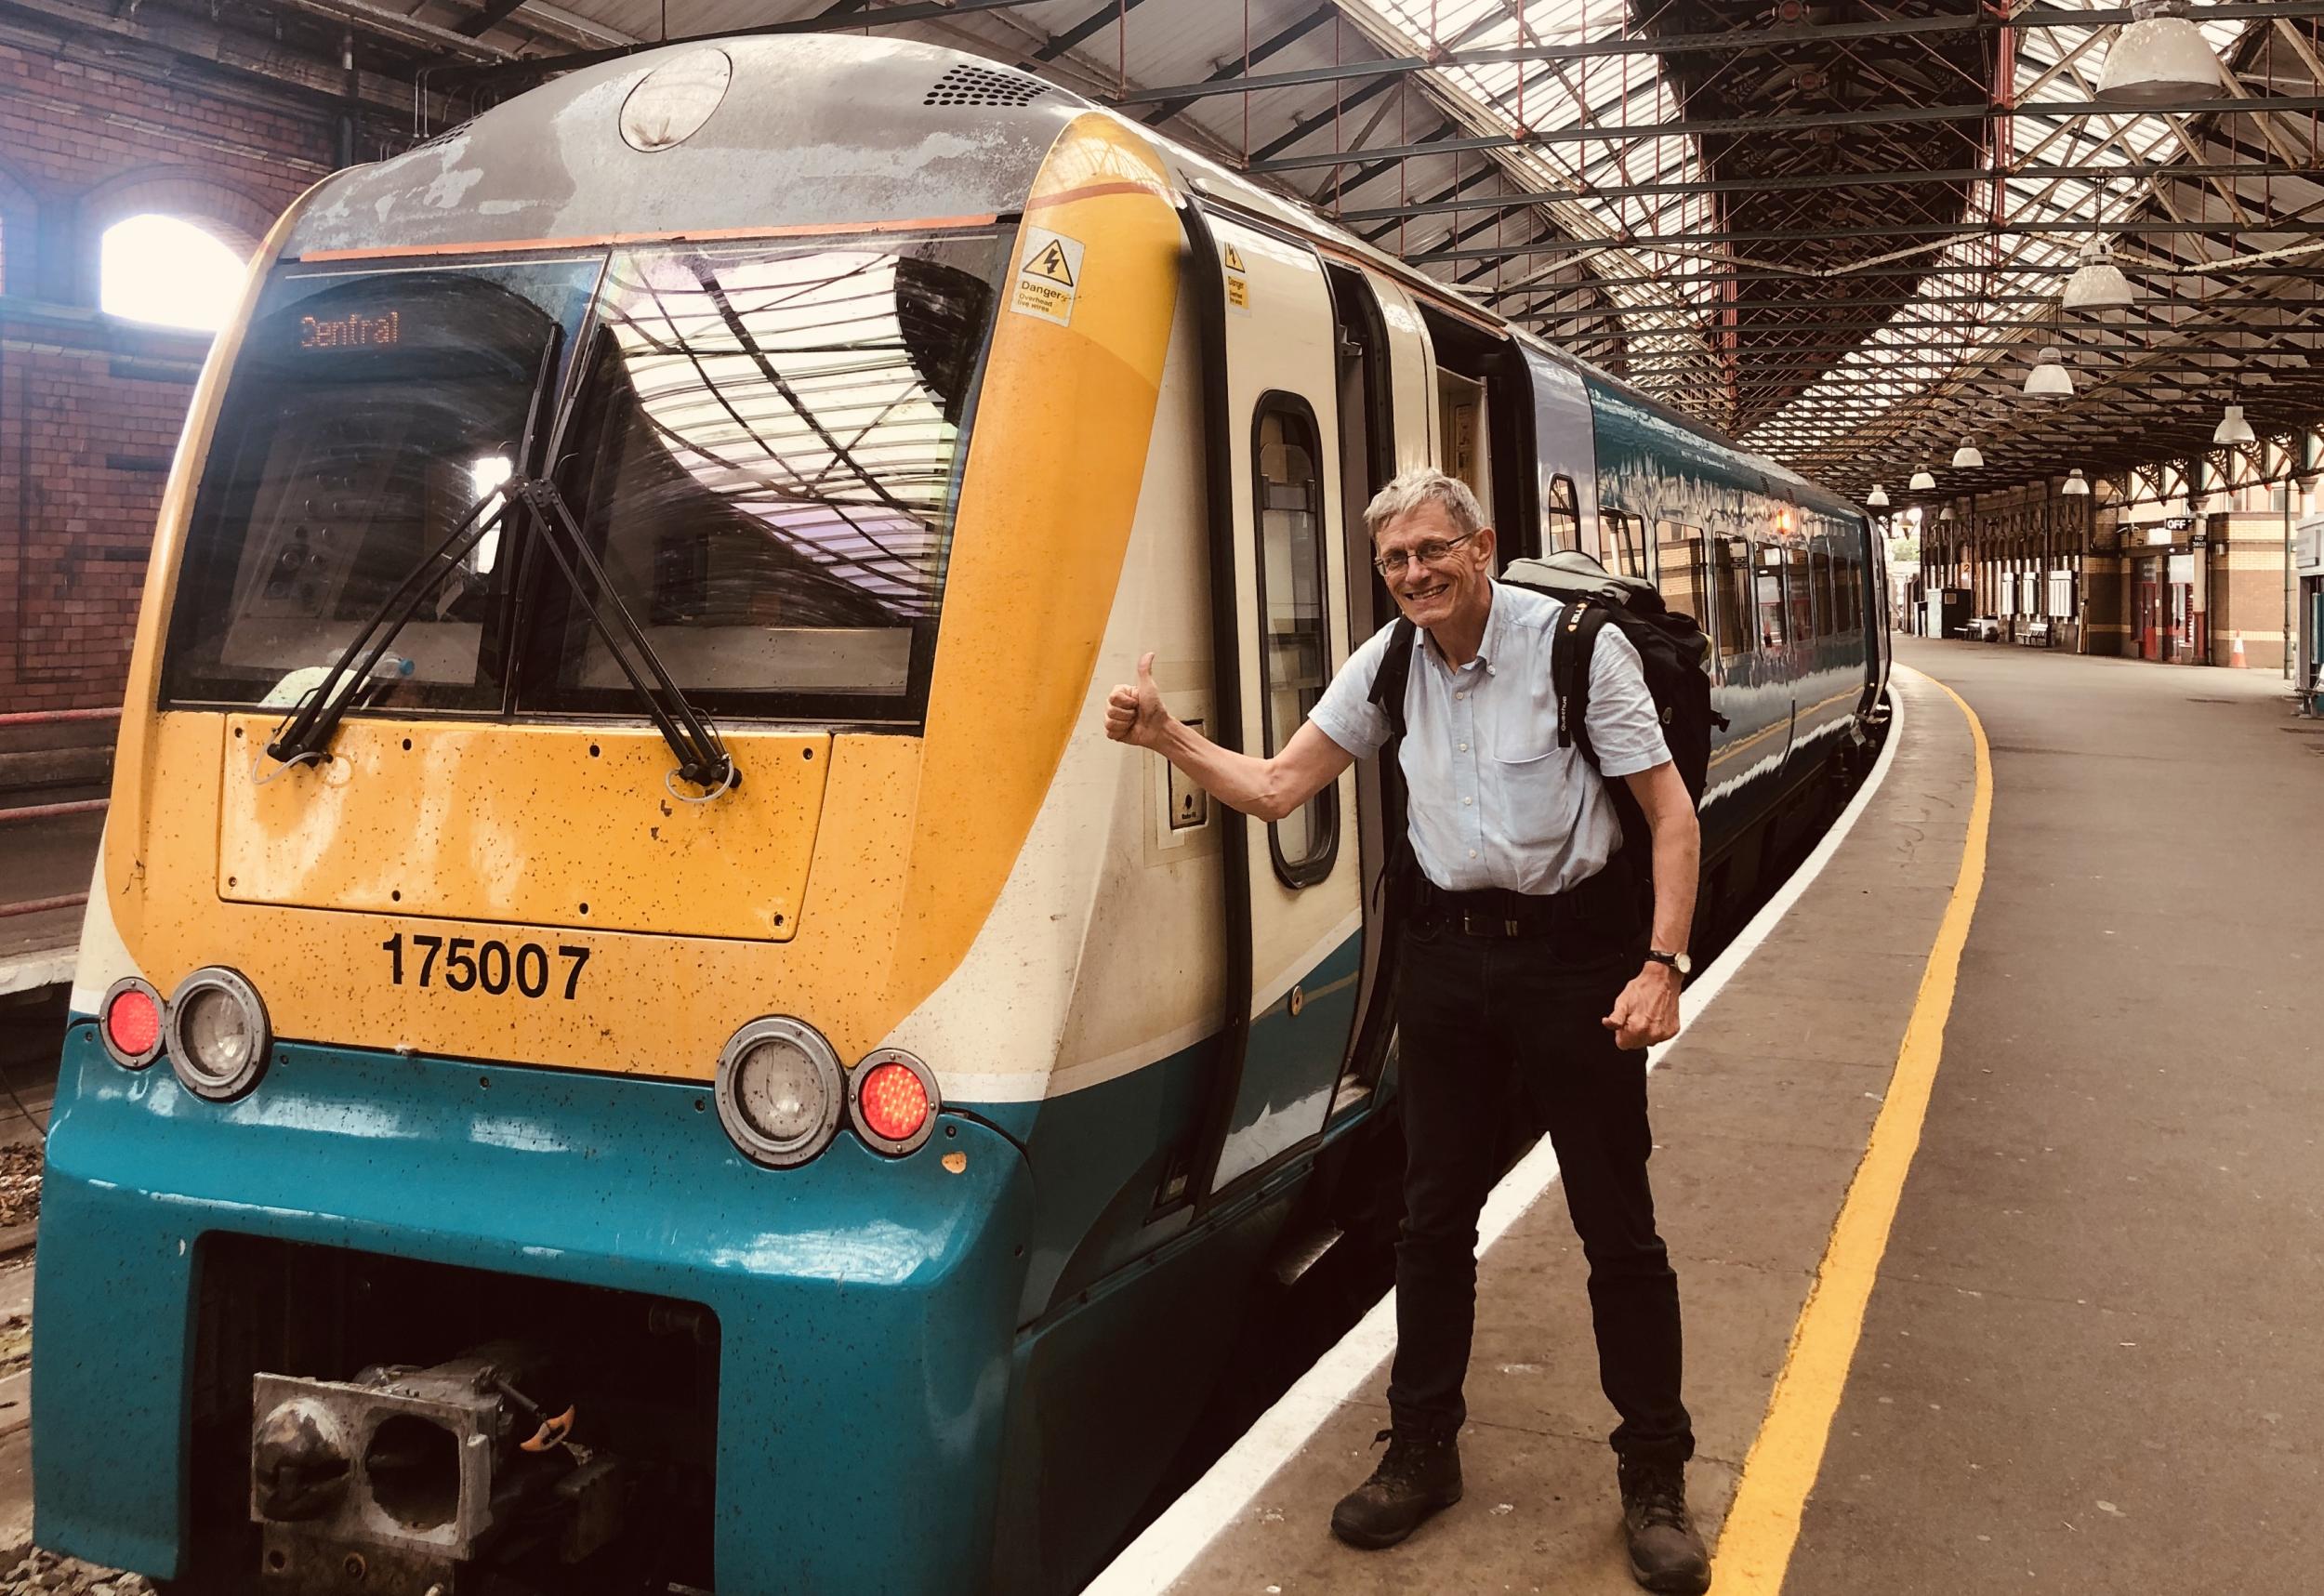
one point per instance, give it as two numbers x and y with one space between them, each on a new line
702 756
306 733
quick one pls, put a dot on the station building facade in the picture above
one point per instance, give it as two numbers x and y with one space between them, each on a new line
2218 584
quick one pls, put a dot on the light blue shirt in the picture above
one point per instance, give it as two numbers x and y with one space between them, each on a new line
1493 801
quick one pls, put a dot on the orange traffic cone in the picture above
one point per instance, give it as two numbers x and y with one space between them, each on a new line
2235 654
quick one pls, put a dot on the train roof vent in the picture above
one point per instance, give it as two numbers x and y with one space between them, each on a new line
983 85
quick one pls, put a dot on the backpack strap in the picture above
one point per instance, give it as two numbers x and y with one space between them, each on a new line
1572 647
1388 694
1390 681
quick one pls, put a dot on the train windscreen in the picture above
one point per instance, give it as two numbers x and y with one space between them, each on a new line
367 414
760 444
766 464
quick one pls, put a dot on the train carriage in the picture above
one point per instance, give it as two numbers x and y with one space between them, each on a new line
633 1031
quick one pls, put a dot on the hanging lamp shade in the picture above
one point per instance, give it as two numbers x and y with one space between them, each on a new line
2159 59
1945 514
1966 458
2077 485
2049 378
2233 428
1878 497
1922 483
2097 283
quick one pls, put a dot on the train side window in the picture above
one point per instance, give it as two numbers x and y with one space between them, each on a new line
1827 601
1560 516
1294 647
1679 569
1617 542
1768 584
1797 590
1732 588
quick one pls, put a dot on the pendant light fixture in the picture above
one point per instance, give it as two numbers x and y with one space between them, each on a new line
2097 283
2233 428
1922 483
2159 59
2049 378
2077 485
1966 458
1878 497
1945 514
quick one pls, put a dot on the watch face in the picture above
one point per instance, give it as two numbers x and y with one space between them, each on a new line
1685 965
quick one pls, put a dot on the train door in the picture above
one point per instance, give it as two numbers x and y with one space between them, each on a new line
1275 387
1387 425
1564 450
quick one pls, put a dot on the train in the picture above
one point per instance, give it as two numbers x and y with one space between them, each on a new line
632 1033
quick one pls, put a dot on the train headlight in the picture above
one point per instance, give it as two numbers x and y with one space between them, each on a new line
778 1091
219 1035
893 1100
129 1021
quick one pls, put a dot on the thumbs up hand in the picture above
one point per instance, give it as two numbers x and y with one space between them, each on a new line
1135 715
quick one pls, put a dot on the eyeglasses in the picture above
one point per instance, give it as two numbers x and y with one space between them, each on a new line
1432 552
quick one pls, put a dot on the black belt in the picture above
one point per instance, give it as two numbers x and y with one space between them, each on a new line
1498 912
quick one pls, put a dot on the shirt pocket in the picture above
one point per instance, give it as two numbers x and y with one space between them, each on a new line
1530 770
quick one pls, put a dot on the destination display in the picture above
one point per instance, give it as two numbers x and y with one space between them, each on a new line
353 331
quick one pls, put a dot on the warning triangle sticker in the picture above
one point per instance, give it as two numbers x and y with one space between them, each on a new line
1051 263
1233 259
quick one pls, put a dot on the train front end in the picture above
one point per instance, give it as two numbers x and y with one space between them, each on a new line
483 1155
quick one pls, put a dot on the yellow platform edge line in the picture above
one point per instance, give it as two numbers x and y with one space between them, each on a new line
1762 1527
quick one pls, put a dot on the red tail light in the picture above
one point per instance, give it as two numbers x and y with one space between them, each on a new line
895 1104
892 1099
131 1020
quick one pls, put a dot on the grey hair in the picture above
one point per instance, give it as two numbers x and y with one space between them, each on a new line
1423 485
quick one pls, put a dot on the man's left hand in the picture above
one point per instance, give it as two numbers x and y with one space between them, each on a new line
1647 1011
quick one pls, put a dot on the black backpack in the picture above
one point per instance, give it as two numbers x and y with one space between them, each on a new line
1672 649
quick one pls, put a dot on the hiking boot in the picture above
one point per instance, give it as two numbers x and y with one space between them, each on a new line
1666 1556
1419 1475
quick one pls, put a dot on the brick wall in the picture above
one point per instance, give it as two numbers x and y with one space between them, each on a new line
91 406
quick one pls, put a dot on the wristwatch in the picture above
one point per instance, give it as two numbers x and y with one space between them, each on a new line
1677 961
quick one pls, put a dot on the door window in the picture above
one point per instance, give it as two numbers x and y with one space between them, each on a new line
1769 579
1294 653
1561 516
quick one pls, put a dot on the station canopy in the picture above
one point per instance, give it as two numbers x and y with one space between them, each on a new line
1838 229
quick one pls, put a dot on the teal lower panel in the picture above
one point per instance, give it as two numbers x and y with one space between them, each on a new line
866 1305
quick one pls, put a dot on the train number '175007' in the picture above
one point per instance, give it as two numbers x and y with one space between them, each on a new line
464 964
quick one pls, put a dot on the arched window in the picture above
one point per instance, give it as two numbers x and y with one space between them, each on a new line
164 269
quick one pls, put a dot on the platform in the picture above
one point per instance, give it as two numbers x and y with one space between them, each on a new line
2084 1360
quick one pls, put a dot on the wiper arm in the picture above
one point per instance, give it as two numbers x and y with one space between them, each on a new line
307 733
702 756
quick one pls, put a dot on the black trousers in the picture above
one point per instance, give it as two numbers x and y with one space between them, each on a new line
1501 1035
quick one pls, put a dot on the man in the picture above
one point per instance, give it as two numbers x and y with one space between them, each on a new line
1523 967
